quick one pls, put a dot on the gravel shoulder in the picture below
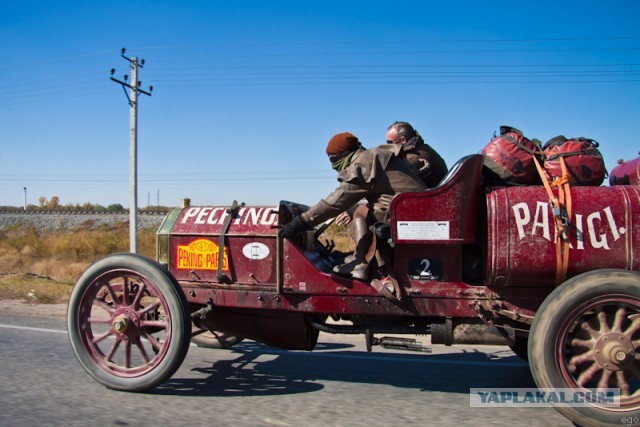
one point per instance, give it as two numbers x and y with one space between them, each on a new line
23 308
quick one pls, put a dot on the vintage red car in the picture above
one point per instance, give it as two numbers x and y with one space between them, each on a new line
475 265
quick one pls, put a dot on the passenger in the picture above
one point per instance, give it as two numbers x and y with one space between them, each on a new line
427 162
430 167
376 175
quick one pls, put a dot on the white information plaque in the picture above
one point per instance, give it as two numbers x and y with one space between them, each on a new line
423 230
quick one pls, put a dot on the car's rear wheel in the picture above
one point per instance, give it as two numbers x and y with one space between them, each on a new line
586 337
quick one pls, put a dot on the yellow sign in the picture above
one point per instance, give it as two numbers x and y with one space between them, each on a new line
201 254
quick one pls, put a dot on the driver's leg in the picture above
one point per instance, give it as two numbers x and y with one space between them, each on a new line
365 250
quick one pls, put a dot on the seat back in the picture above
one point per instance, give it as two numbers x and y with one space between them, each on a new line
446 213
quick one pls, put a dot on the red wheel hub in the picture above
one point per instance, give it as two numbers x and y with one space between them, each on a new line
126 323
614 351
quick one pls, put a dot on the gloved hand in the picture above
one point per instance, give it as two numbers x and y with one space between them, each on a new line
293 228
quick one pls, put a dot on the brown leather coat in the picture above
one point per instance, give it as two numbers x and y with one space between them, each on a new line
427 162
376 175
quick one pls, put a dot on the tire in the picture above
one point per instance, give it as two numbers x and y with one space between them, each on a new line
128 322
213 339
585 336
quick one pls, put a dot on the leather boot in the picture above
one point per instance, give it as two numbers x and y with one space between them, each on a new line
358 268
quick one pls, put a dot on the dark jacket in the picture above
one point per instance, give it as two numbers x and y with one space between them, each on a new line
376 175
431 168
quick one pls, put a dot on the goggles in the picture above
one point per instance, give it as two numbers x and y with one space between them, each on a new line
338 163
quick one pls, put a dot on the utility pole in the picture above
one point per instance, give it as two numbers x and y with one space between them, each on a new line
132 96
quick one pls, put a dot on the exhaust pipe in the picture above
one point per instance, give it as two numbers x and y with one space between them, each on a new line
461 332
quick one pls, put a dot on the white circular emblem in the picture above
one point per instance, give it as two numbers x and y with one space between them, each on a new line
255 250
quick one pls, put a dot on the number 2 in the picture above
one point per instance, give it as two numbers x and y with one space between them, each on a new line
425 270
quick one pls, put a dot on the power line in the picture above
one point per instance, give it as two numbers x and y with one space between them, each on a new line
175 179
57 60
396 53
74 84
84 94
378 42
332 43
328 76
378 66
62 85
372 71
361 83
397 75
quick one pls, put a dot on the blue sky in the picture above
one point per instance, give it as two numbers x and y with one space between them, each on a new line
247 93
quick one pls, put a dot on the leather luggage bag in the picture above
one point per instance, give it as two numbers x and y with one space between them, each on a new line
508 158
585 165
626 173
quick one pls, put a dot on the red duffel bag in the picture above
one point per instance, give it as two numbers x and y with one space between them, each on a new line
508 158
626 173
585 165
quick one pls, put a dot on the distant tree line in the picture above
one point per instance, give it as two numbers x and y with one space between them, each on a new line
53 204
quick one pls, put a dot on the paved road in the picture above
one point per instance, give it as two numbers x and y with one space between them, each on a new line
339 384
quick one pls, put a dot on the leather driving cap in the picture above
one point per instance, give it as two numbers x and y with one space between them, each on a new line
342 142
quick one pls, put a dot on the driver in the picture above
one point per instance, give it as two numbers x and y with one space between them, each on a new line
376 175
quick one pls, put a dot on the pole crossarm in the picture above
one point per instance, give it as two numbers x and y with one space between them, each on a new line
125 84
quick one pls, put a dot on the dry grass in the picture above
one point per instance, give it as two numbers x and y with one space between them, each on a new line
341 236
46 264
33 288
41 267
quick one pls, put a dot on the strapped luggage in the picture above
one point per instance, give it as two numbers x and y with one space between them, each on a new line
626 173
508 158
585 165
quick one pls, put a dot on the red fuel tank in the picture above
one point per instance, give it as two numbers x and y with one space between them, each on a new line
521 248
626 173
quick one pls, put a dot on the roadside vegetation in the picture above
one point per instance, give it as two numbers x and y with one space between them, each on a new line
41 267
54 204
